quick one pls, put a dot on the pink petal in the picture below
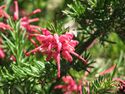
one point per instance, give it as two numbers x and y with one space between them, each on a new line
108 70
73 43
24 22
67 79
42 38
79 57
13 58
68 47
59 87
16 13
66 55
32 29
3 13
70 36
33 51
2 7
45 31
5 26
33 20
59 45
2 55
36 11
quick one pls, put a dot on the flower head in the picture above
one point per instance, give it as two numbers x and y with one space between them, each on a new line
26 21
53 46
2 54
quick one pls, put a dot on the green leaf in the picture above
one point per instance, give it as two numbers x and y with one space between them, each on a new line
10 44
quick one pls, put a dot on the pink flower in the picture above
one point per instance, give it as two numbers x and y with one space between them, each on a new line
35 12
16 12
13 58
109 70
70 86
25 21
3 13
54 46
2 54
5 26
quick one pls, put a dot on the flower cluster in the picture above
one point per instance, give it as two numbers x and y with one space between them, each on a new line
3 14
70 86
25 21
24 24
54 46
3 26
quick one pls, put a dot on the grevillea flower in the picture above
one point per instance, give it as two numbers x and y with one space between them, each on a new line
5 26
2 54
25 21
70 86
54 46
16 12
3 13
109 70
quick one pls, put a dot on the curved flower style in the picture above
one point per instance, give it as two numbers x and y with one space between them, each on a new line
16 12
25 22
2 54
3 13
54 46
5 26
70 86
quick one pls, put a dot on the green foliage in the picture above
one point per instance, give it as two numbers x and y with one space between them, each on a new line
76 9
103 84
